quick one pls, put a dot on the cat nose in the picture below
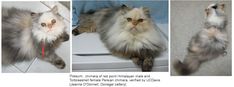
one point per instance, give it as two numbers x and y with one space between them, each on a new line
134 23
49 26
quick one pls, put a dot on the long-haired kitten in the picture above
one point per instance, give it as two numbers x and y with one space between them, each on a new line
26 35
126 32
207 44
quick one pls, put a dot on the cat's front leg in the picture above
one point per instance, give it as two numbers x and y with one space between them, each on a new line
137 61
65 36
56 60
224 53
147 64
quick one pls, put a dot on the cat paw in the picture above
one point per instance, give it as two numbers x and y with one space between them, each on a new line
137 61
60 64
66 37
224 53
75 32
147 65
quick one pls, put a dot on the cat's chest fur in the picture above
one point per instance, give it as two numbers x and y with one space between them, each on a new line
130 41
214 33
214 20
48 36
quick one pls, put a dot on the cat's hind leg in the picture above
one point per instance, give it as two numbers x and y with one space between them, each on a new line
188 66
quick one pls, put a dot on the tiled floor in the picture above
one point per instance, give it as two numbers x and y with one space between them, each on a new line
36 65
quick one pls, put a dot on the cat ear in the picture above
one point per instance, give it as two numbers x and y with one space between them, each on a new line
124 9
207 12
124 6
222 6
33 14
54 9
146 10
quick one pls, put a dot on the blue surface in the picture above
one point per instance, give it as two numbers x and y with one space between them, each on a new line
158 9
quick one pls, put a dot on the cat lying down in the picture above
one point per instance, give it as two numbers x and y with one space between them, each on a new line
27 35
126 32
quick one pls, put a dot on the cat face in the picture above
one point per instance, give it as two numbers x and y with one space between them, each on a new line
136 20
215 9
215 14
49 25
49 21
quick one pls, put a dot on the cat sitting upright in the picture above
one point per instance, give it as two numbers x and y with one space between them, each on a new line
209 43
26 35
126 32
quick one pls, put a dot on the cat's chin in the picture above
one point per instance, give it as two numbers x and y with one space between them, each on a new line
47 35
135 30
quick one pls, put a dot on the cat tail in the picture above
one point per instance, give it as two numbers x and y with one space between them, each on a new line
75 31
188 66
87 27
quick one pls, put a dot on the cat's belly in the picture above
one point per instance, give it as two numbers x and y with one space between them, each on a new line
209 44
216 40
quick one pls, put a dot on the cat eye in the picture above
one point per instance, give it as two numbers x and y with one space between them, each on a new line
43 24
53 21
129 19
140 20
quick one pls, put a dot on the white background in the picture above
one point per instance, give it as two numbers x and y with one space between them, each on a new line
62 80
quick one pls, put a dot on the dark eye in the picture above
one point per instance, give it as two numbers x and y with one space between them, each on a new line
129 19
53 21
214 7
140 20
43 24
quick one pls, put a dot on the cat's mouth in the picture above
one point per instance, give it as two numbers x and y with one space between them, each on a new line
49 30
134 29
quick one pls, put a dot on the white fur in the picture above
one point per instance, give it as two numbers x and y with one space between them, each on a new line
120 36
43 33
213 18
24 43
